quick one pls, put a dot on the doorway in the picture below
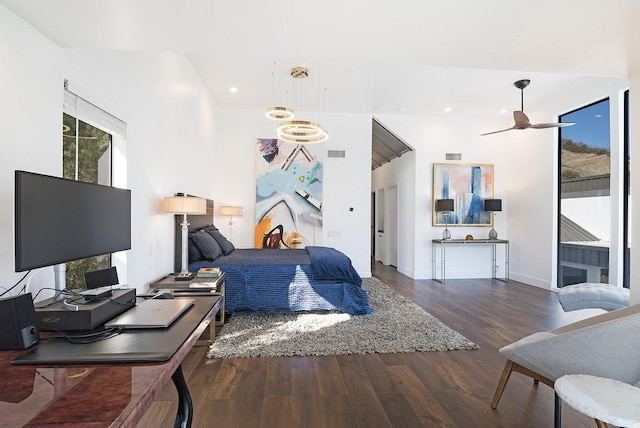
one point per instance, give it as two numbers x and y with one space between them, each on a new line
384 225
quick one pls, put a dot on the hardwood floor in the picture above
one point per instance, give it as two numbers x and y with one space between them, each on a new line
421 389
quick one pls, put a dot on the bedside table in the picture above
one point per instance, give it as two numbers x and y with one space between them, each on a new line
194 288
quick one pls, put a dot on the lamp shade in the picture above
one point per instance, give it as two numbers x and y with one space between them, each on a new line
493 204
444 205
184 205
230 211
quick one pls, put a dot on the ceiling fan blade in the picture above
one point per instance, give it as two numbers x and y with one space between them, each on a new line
522 120
520 117
496 132
551 125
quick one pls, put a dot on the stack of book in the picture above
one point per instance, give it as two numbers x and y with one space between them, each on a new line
208 272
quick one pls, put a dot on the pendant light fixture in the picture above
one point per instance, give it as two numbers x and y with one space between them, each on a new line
301 131
278 112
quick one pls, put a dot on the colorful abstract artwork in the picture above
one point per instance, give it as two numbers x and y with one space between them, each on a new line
288 194
468 185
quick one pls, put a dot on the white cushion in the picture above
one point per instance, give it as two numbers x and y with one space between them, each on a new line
593 295
607 400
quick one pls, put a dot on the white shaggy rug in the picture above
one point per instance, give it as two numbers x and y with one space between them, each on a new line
396 325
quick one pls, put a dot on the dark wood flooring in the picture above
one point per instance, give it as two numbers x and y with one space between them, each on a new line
421 389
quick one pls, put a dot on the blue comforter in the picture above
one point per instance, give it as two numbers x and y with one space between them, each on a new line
316 278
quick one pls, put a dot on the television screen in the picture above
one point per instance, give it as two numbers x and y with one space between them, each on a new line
59 220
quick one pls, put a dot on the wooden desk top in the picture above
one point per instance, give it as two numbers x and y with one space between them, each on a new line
97 395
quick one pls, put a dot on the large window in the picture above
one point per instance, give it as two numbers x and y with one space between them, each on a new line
584 206
86 157
627 194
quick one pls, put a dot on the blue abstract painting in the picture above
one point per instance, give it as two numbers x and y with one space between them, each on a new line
288 194
468 185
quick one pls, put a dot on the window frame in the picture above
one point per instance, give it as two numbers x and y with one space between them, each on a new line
559 260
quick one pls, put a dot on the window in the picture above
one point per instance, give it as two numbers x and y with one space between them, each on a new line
93 151
584 206
627 194
89 159
86 157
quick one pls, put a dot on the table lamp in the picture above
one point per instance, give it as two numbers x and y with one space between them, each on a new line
493 205
445 206
231 212
184 205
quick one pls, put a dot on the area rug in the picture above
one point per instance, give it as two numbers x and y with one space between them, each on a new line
396 325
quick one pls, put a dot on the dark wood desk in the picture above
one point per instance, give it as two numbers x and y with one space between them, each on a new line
103 394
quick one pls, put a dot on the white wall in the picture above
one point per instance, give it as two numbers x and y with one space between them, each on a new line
432 138
401 172
346 180
170 142
525 179
533 182
30 120
591 213
178 141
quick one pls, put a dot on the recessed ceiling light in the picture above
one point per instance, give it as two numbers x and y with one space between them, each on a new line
448 109
503 111
233 89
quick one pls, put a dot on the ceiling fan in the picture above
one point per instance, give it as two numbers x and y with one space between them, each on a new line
521 120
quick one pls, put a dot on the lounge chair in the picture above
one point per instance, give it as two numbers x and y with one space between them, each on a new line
605 345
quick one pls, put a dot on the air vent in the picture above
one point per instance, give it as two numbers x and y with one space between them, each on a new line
454 156
336 153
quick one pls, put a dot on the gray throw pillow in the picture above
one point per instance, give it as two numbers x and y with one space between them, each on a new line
207 245
225 245
195 255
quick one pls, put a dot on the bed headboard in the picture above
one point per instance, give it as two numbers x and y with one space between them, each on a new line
195 222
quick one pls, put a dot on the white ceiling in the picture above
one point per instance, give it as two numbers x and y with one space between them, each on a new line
418 56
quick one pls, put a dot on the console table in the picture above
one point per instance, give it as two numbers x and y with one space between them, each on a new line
110 383
442 244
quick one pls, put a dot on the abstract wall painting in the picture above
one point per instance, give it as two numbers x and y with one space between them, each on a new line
468 185
288 194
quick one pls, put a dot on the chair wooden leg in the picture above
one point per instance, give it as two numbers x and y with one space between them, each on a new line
601 424
506 373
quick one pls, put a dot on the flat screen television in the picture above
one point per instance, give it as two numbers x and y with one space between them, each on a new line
59 220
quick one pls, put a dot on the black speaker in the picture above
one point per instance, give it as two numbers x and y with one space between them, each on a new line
18 322
101 278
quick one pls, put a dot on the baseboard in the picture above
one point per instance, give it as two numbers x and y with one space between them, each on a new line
529 280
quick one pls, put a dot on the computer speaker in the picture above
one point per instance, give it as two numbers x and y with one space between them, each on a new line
18 321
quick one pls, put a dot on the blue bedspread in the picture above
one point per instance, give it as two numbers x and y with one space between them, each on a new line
316 278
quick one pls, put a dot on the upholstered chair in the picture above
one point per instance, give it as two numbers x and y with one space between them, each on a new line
604 345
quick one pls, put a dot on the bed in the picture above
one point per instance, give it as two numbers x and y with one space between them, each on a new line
311 279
